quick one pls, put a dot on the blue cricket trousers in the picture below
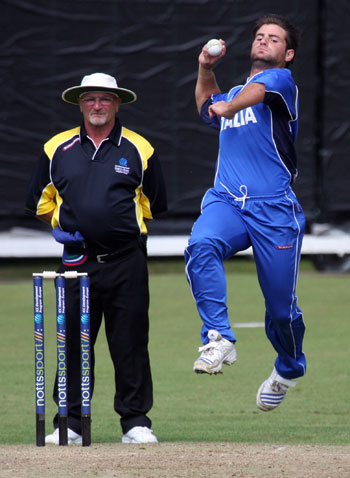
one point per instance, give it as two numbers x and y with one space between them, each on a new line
274 227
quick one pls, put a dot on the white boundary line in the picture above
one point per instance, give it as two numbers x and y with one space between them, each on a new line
248 325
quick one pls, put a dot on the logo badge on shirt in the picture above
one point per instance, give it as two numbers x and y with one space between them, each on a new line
122 166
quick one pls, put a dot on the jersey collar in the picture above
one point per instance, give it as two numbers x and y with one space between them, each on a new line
114 135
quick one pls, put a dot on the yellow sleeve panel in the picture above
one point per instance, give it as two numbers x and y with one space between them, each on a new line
142 204
47 200
144 148
146 206
50 199
143 209
56 214
51 146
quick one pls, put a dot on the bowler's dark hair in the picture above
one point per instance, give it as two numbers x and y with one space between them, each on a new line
292 36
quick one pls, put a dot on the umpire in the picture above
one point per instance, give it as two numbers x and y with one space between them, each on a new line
97 185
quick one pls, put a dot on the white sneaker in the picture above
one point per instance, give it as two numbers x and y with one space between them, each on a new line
214 354
54 439
273 391
139 435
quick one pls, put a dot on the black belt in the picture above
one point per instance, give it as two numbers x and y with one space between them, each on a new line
110 256
101 256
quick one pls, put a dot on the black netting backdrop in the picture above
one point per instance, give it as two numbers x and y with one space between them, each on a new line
151 47
334 151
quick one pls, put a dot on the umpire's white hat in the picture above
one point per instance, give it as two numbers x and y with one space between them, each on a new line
98 82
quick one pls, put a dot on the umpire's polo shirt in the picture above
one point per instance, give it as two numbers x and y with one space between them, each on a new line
106 193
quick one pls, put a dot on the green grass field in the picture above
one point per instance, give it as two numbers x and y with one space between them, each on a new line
190 407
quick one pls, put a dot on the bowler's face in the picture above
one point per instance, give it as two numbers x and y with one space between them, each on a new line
99 108
270 47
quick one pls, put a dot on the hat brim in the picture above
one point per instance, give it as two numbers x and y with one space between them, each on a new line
71 95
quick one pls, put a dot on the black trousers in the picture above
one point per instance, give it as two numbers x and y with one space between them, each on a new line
118 292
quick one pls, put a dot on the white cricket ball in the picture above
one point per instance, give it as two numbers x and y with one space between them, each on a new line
214 47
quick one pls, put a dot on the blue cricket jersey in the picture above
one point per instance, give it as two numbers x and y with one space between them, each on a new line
257 155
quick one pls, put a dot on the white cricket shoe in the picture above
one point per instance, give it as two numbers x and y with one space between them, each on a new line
273 391
54 439
139 435
214 354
